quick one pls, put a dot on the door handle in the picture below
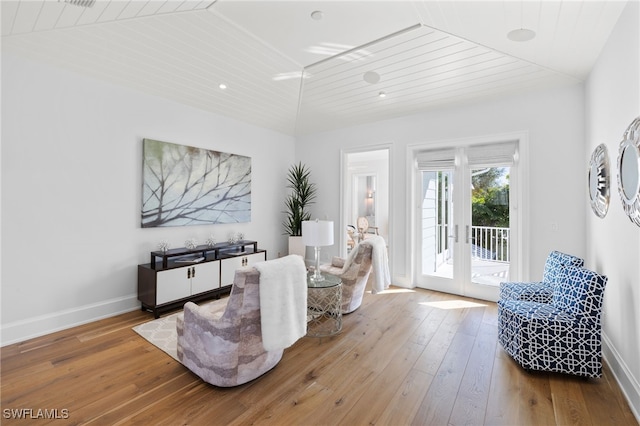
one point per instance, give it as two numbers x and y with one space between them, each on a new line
455 233
467 236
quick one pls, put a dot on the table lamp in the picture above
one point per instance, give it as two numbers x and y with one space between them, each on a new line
317 233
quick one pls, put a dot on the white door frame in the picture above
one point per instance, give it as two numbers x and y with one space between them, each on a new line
520 201
345 192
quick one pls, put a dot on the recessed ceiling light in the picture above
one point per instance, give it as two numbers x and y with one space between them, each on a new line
382 95
222 86
522 34
317 15
371 77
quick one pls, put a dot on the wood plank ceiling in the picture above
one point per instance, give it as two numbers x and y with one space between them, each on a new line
288 71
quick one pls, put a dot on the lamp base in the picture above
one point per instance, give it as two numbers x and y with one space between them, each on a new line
317 276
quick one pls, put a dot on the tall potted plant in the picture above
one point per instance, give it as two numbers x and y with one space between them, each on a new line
301 196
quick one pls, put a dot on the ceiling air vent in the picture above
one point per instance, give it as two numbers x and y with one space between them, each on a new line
81 3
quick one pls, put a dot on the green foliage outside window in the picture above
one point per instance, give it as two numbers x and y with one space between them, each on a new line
490 198
490 208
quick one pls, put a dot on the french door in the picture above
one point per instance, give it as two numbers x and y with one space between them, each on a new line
465 222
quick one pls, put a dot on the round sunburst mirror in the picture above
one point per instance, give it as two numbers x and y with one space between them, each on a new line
629 171
599 180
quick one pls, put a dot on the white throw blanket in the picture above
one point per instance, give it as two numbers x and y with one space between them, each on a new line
283 301
380 264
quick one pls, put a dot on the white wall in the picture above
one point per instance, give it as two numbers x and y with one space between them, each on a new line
613 243
71 183
554 120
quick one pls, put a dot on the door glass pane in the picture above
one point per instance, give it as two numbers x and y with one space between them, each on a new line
437 226
489 233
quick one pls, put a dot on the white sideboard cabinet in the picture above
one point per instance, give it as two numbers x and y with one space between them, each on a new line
229 265
176 276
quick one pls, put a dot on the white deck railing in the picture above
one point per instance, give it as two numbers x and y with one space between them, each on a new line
489 243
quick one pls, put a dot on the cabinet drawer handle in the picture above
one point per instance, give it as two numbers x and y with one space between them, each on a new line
193 272
188 273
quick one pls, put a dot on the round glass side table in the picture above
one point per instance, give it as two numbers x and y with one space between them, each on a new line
324 306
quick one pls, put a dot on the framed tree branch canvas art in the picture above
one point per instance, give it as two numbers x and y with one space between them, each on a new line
183 185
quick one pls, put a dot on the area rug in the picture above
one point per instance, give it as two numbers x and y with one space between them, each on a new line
162 331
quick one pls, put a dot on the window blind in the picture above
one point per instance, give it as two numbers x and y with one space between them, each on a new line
436 159
497 154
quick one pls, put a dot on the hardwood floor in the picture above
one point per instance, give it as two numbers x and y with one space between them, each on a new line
404 357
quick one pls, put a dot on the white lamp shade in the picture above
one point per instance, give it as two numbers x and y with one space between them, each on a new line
316 233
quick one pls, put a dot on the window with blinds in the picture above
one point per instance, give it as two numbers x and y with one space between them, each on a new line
499 154
436 159
486 155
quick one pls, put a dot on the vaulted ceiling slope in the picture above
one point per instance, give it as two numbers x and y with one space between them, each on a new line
289 69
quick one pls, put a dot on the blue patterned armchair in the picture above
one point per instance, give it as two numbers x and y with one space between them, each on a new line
562 336
540 291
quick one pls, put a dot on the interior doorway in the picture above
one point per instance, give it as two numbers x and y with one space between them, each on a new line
365 194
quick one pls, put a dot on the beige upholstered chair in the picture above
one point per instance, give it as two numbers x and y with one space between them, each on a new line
227 350
354 273
362 224
364 228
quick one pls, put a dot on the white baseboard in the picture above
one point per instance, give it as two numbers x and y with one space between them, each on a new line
401 281
29 328
629 384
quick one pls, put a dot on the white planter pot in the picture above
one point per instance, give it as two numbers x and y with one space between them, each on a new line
296 246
